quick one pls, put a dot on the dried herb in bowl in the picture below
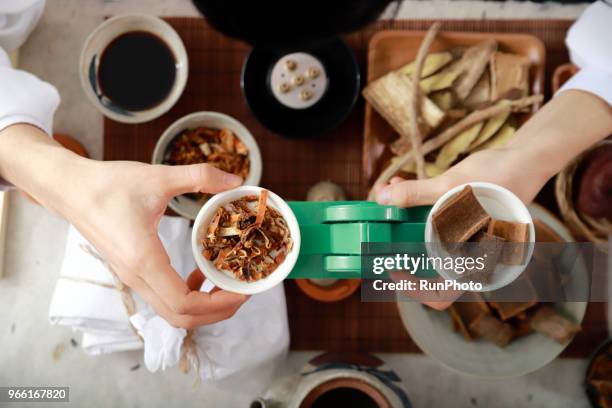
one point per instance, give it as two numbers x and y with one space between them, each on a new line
219 148
247 238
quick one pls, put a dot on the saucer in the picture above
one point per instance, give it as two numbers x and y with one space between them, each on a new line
329 111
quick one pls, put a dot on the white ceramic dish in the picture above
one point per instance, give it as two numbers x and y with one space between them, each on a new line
547 218
188 207
103 35
500 204
432 330
222 279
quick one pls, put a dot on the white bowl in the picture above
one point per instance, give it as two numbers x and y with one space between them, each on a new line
102 36
432 330
188 207
222 279
500 204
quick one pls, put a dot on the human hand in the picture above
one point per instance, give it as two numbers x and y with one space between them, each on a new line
541 147
503 166
117 207
499 166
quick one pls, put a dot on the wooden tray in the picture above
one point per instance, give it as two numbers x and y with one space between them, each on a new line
291 166
562 74
389 50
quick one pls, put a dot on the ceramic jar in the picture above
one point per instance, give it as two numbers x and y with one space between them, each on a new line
338 379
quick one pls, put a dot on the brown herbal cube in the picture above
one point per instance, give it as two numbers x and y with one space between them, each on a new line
516 234
460 217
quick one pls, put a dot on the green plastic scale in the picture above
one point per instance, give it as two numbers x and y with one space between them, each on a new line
332 234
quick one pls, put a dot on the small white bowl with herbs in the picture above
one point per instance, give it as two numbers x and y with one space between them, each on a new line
213 138
246 240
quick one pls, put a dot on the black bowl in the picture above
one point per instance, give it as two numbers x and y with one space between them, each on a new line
339 99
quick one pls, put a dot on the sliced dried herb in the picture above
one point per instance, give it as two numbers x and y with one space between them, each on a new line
247 238
219 148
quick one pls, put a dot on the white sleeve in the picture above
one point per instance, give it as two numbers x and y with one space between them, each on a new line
24 98
589 42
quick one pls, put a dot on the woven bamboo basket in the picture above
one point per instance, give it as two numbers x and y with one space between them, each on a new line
584 227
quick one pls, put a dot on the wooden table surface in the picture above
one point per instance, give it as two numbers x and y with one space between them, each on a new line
292 166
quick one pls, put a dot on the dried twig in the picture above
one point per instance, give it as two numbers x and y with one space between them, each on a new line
479 116
415 132
473 63
261 207
439 140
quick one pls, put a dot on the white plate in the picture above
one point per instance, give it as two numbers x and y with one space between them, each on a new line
432 331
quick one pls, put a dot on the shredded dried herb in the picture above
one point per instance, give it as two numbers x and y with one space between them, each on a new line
247 238
219 148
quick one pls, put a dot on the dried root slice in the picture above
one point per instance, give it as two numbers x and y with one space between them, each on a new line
416 137
443 79
390 96
444 99
479 116
431 170
481 94
438 141
457 146
491 127
508 72
500 139
433 63
473 63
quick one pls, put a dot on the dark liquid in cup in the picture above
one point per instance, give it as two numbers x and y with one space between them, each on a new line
137 71
344 397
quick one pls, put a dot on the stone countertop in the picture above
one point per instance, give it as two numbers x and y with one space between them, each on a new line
35 242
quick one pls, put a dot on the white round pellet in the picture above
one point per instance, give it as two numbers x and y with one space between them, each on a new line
307 76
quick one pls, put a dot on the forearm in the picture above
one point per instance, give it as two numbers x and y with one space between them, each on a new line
38 165
565 127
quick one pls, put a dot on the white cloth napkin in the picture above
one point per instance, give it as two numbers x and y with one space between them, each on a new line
85 297
588 42
17 20
24 98
256 335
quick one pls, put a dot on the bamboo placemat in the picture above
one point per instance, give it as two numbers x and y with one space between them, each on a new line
292 166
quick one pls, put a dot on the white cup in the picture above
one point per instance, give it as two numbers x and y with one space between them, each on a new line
102 36
223 279
501 204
